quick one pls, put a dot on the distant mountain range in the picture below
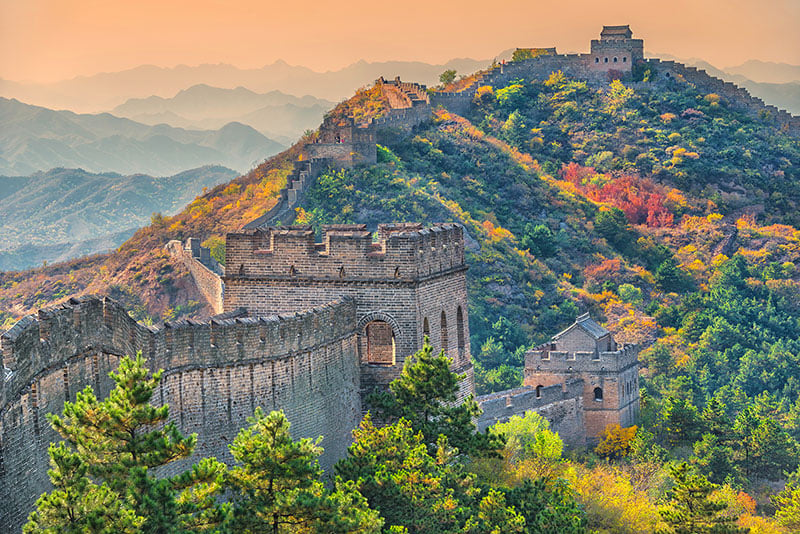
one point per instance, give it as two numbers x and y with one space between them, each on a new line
35 138
63 213
102 92
275 114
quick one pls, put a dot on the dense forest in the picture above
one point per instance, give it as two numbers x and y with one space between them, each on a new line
665 212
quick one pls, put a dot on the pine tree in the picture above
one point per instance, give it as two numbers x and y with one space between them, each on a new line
277 485
123 438
425 395
690 508
76 504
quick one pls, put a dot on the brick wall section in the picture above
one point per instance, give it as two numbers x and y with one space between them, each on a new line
410 273
204 270
216 374
561 404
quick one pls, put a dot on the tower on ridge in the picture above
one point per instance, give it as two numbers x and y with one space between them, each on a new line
615 50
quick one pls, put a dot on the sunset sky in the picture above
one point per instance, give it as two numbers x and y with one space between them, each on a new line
49 40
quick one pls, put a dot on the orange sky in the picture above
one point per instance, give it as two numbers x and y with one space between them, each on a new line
48 40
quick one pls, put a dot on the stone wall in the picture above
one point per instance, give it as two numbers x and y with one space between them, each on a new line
561 404
204 269
216 374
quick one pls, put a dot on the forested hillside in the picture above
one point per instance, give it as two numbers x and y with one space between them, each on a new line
663 211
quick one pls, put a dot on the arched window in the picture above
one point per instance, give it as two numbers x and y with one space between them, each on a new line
615 60
460 333
444 331
426 329
605 60
598 394
380 343
539 391
597 60
624 59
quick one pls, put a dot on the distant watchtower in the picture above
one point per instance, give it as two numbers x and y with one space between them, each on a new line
407 281
610 374
615 50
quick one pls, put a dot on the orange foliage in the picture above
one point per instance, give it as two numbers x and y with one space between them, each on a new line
642 200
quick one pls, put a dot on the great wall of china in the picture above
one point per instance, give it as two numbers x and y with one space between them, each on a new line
311 327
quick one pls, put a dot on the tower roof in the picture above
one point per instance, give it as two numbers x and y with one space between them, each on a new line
616 32
587 324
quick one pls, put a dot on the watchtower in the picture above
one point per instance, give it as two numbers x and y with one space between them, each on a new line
610 373
615 50
407 281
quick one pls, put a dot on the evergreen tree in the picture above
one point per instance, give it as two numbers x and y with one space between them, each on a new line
549 507
787 503
425 395
277 485
76 504
123 438
690 508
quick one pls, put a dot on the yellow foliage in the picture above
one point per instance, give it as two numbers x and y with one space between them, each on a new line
612 504
668 117
714 217
616 441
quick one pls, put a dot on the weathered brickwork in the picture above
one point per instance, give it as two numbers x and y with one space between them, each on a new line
216 374
561 404
412 280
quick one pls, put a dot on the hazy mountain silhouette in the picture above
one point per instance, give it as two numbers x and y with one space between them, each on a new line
767 71
64 213
784 94
104 91
34 138
277 115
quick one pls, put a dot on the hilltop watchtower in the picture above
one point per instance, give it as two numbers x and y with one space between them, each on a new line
615 50
610 374
407 282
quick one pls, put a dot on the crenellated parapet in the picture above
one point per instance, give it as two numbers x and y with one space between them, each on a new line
346 253
561 404
41 341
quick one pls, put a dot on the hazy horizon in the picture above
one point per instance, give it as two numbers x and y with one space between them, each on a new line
43 41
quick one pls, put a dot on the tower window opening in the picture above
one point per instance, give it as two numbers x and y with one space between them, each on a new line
598 394
615 60
380 343
539 391
597 60
605 60
624 59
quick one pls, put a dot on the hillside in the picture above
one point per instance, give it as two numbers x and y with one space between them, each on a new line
37 139
675 155
275 114
667 213
64 213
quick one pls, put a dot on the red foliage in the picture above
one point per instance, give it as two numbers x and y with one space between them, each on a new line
641 199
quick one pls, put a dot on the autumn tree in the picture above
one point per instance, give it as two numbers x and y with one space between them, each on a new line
616 442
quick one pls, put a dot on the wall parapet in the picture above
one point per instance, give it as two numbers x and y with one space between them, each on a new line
561 404
53 335
397 252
